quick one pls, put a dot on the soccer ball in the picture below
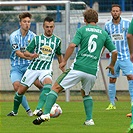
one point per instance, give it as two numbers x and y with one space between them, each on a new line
55 111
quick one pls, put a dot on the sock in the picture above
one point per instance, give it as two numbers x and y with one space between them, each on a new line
112 92
130 87
17 102
41 89
25 103
88 105
51 99
43 95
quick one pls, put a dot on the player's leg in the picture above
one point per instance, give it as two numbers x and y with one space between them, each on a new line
112 86
130 87
130 129
51 99
42 99
65 80
27 80
112 93
130 82
127 70
16 75
88 82
45 79
88 106
18 99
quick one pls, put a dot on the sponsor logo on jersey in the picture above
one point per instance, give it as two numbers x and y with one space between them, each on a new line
46 49
117 37
14 46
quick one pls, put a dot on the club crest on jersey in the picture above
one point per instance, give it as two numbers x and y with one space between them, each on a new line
28 41
123 29
14 46
46 49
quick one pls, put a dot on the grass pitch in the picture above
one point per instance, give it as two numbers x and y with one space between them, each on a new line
71 120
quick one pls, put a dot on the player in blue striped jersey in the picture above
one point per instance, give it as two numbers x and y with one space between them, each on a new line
41 50
19 40
117 29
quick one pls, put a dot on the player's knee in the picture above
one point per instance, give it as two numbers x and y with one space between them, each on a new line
130 77
57 88
112 80
16 86
22 89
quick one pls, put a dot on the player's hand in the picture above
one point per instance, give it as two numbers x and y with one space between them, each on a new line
35 55
62 66
111 69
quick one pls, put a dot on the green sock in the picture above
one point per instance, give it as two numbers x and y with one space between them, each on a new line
17 102
43 95
88 105
51 99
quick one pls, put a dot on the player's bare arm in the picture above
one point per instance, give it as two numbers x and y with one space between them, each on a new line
60 59
30 55
21 55
68 53
112 63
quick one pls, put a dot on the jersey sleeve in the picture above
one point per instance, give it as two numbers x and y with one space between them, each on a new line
106 28
58 50
31 46
109 44
130 29
14 43
77 38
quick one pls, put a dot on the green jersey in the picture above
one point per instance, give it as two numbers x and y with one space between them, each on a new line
91 40
130 30
46 47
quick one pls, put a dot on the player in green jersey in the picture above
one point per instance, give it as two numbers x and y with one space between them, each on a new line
42 50
130 44
91 39
130 39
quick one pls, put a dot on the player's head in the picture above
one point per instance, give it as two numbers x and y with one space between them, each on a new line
116 11
25 20
90 15
48 25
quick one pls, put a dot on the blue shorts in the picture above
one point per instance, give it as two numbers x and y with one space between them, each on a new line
17 72
126 66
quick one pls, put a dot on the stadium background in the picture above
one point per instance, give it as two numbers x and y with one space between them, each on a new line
9 22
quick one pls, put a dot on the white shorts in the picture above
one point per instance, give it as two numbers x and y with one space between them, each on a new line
31 75
72 77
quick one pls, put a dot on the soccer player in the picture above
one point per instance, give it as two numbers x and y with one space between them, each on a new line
42 50
19 40
130 44
117 29
91 39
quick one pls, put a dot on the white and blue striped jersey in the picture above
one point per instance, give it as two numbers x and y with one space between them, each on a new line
17 41
118 35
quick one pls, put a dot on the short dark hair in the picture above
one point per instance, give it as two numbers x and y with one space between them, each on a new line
24 15
90 15
116 5
48 19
